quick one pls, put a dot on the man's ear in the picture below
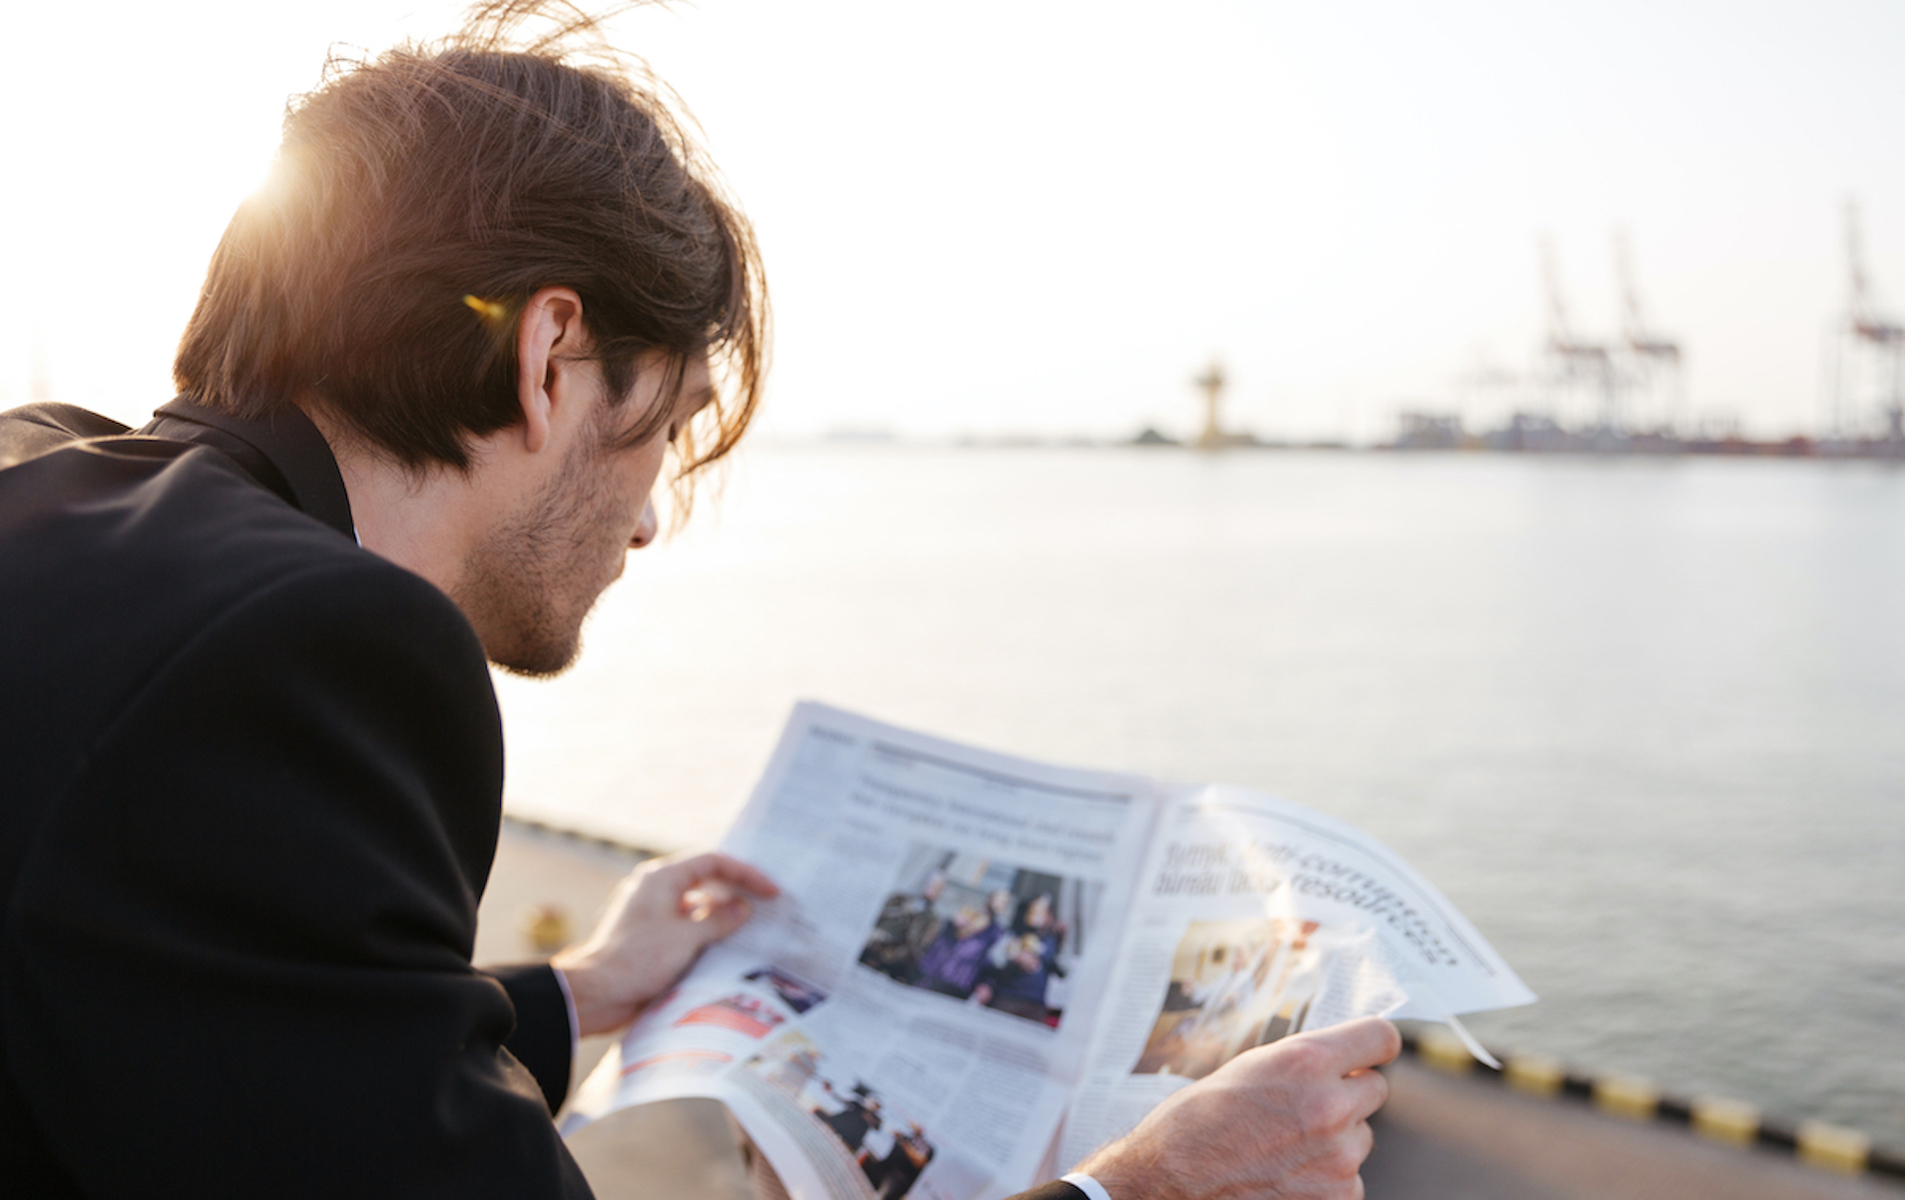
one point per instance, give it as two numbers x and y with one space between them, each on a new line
549 335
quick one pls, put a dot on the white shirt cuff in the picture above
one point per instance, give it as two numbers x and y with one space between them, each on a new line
1086 1184
575 1034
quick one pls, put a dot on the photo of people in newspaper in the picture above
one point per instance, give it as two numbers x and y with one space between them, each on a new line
796 994
981 931
1234 985
890 1148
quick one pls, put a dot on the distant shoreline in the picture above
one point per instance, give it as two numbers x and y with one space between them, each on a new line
1548 443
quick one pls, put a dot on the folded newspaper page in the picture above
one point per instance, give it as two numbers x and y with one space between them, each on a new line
1256 918
981 966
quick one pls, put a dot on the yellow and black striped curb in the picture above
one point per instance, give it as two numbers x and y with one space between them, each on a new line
581 839
1829 1147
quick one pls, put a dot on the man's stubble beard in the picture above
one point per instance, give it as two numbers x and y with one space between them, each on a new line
539 575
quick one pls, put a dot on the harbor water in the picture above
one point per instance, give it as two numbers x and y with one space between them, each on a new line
1643 720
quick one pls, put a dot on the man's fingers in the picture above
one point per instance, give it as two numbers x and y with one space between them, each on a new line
1360 1044
727 917
704 871
1354 1144
1367 1090
713 866
706 897
718 908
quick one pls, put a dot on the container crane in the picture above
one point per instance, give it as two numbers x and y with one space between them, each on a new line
1870 340
1575 361
1655 360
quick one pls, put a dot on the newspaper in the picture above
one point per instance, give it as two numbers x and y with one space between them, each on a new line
981 966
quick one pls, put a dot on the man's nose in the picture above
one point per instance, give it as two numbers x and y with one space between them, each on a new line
646 528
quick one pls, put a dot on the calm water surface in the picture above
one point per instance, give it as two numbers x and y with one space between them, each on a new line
1644 721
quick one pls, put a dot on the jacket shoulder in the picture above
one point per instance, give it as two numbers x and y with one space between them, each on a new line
135 562
36 428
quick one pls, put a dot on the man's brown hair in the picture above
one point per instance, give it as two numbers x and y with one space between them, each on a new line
420 197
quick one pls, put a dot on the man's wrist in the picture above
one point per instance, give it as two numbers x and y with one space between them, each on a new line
1091 1187
593 1009
1132 1167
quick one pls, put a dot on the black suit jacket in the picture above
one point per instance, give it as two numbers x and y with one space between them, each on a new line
250 781
250 785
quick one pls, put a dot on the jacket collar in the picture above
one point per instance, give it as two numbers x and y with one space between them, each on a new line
283 451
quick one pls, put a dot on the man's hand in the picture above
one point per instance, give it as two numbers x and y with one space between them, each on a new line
658 920
1289 1120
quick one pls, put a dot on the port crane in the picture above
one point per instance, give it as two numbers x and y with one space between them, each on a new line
1869 349
1575 362
1655 360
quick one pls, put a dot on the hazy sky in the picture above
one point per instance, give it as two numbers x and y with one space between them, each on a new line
1046 218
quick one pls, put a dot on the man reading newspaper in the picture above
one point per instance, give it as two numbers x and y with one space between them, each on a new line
250 759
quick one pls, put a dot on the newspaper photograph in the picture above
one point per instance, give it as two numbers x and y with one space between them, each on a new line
983 931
